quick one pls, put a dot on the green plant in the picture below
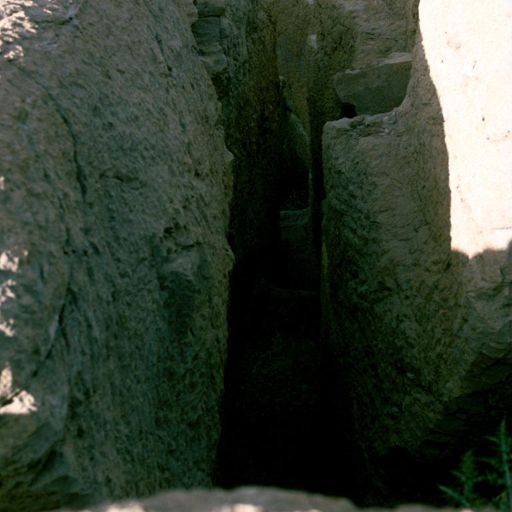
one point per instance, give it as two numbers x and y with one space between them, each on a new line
467 478
485 481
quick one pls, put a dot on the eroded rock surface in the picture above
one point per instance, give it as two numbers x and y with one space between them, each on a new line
114 191
417 246
278 385
124 129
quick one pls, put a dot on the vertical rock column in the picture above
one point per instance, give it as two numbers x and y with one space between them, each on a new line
417 245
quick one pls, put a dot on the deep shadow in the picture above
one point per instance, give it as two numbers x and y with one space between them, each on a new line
279 425
348 110
279 428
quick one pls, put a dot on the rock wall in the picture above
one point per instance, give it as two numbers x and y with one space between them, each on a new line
417 247
114 192
126 129
250 96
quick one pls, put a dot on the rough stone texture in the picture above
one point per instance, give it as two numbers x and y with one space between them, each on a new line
318 40
417 245
114 188
209 32
375 80
248 499
380 27
252 116
378 88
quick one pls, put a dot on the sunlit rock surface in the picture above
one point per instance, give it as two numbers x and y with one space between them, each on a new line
418 268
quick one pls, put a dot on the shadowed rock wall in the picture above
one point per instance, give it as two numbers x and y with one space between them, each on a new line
277 423
418 280
114 191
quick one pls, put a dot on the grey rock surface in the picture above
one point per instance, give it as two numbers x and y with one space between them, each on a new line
380 27
208 33
247 499
117 164
114 191
378 88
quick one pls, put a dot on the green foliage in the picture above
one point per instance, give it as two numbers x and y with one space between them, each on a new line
485 481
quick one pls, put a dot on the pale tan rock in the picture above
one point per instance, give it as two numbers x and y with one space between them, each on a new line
470 68
418 246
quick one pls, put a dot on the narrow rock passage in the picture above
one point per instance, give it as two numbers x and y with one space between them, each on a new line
286 413
284 423
280 428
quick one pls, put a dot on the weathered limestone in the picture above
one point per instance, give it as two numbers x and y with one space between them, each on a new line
116 170
417 244
114 191
381 27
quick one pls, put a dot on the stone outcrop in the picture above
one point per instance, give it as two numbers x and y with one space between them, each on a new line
114 191
417 246
249 499
160 160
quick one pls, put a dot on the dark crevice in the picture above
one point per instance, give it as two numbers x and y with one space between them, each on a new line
348 110
280 426
288 412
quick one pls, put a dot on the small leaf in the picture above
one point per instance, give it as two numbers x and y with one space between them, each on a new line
457 497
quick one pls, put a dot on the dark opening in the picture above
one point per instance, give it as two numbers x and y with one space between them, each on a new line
284 421
348 110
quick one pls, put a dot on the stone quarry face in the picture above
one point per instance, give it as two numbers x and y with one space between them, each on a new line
251 242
